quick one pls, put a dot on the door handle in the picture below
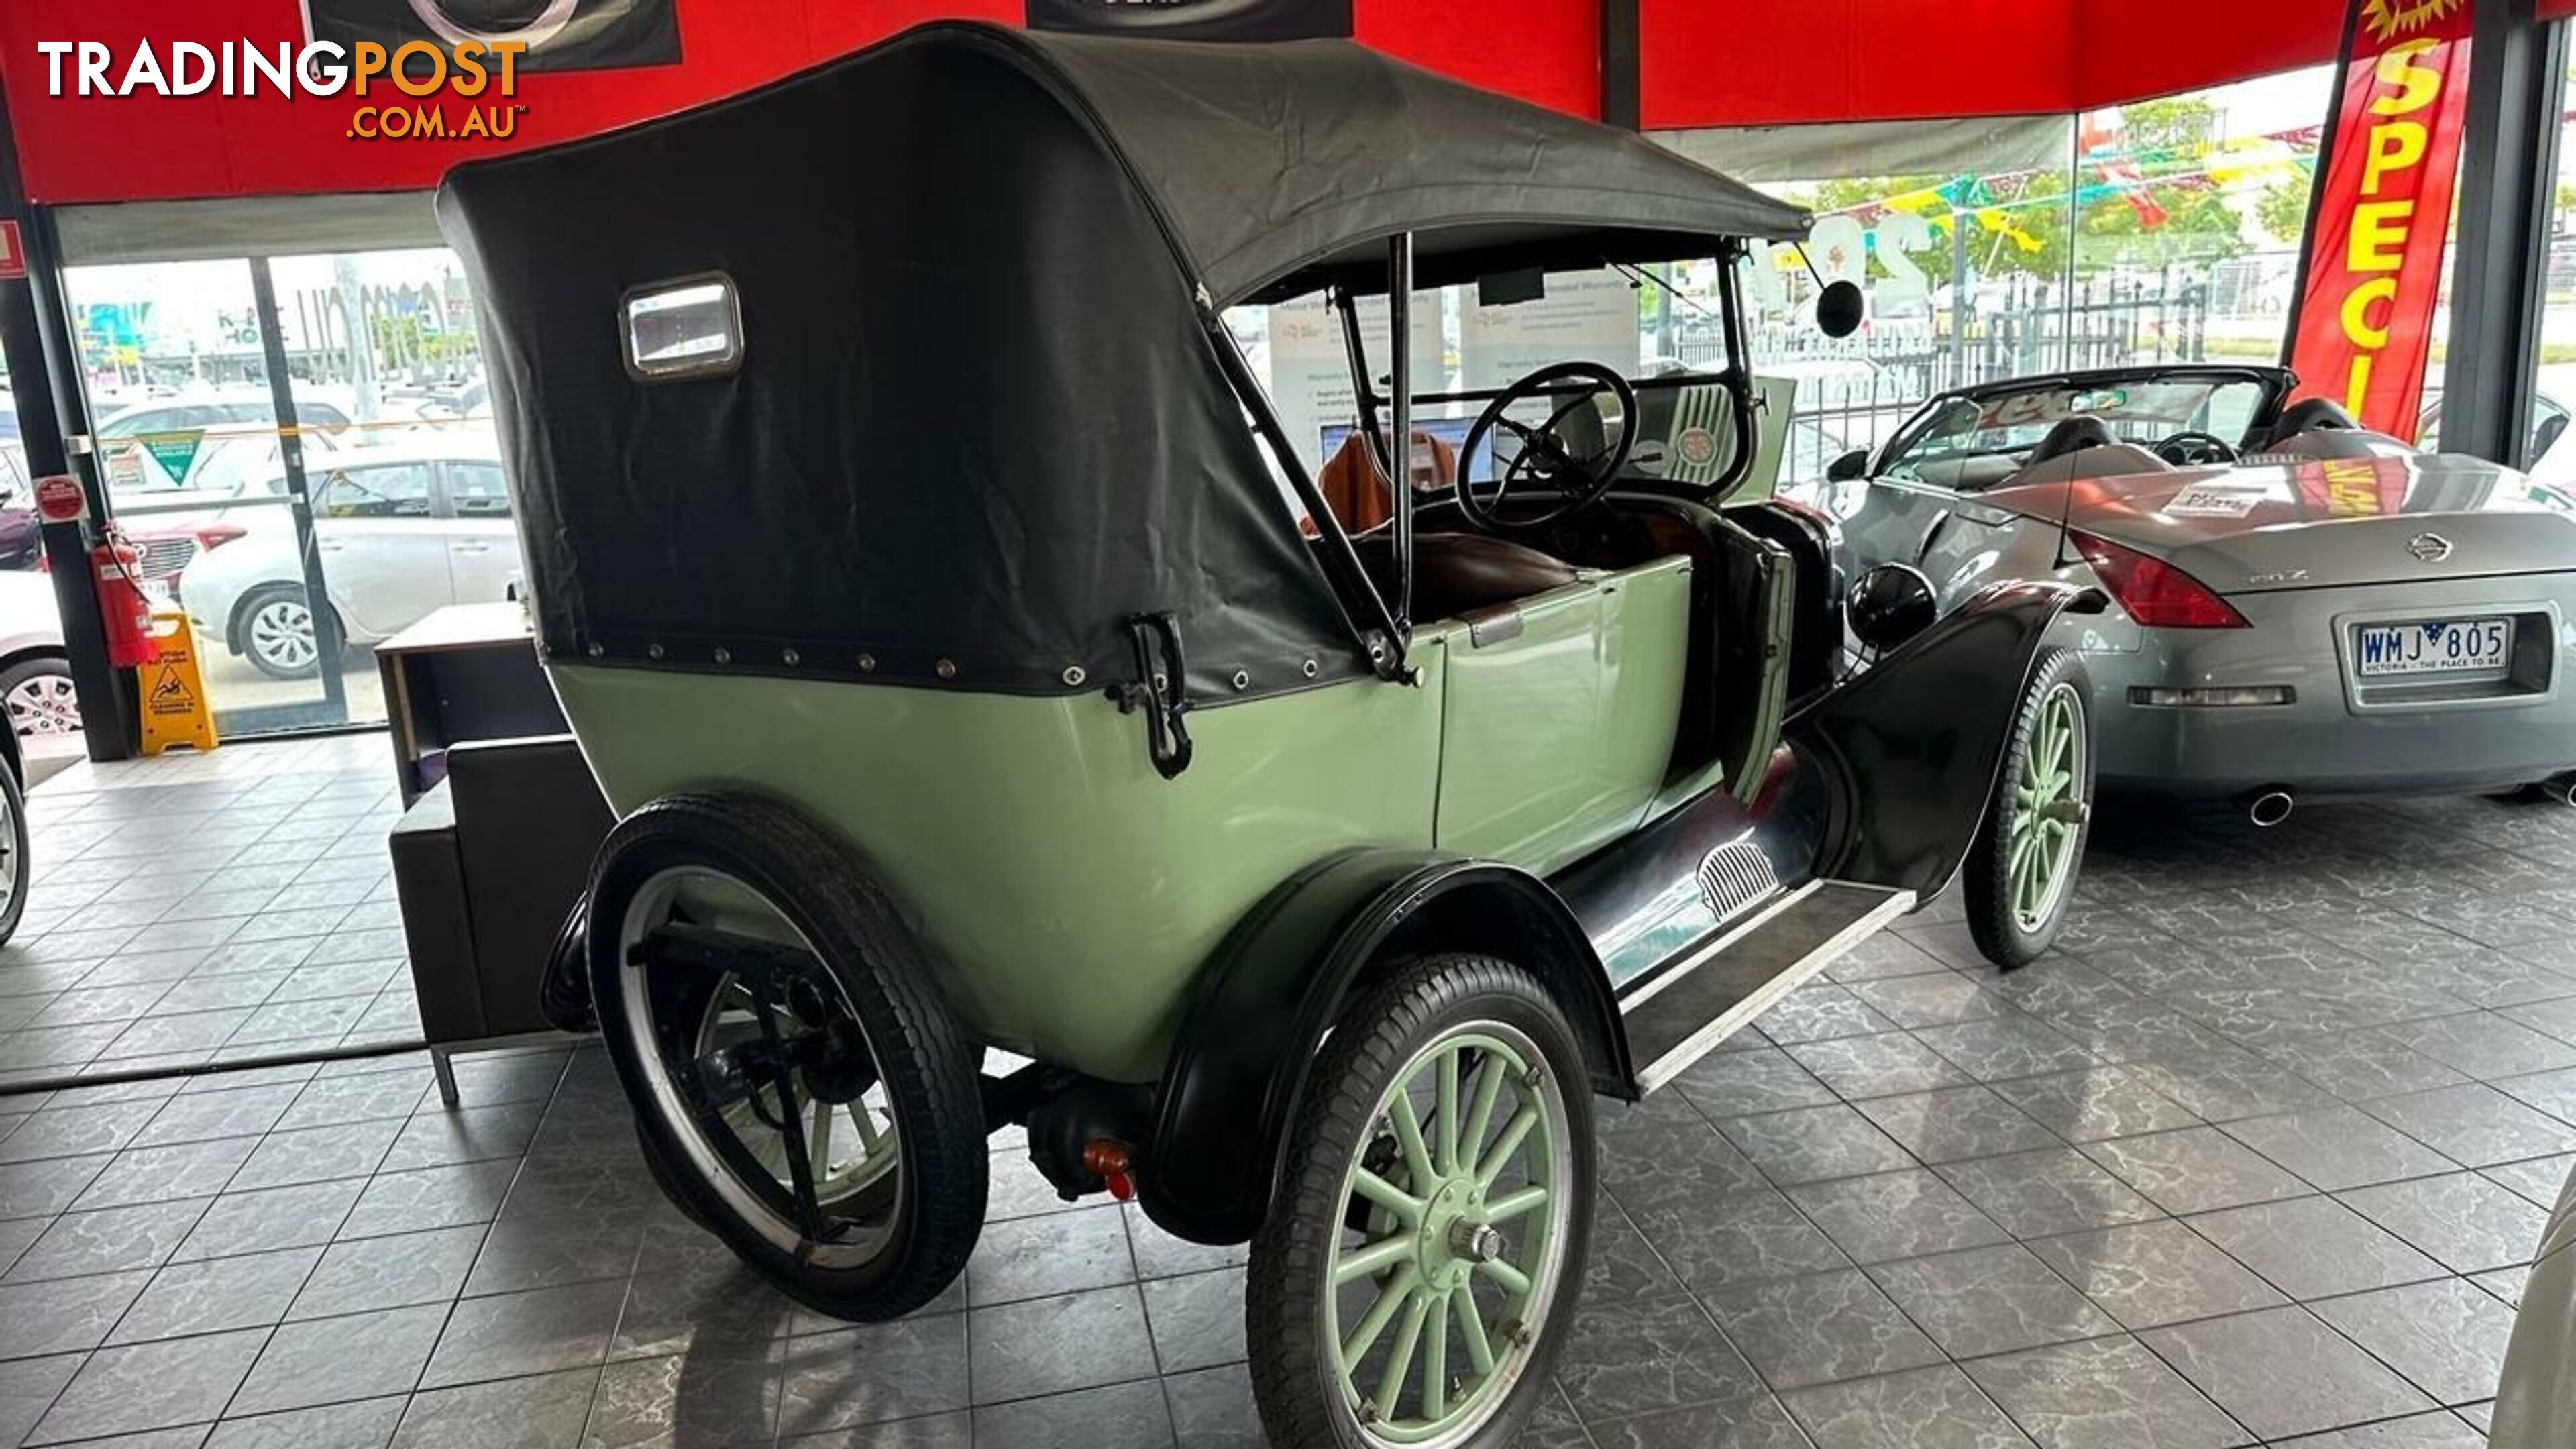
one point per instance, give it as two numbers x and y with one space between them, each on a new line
328 547
471 547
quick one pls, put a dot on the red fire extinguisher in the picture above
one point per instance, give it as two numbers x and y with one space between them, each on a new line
116 567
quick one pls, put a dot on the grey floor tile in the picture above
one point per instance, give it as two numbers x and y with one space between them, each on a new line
77 1131
1043 1257
1895 1215
2537 1180
1213 1409
1883 1065
1957 1123
204 1116
28 1387
678 1400
45 1187
543 1412
394 1272
64 1315
551 1250
2474 1124
1630 1359
2007 1047
108 1240
151 1386
254 1222
2107 1393
2484 1045
361 1356
363 1424
332 1101
315 1154
1990 1300
1764 1079
432 1197
2042 1194
1196 1320
1134 1413
2446 1336
1714 1241
1053 1345
2338 1147
217 1294
2424 1431
1812 1144
2463 1221
1755 1422
2315 1246
930 1431
444 1137
2148 1274
917 1366
539 1331
1817 1012
1926 1408
1819 1328
1926 1000
2195 1170
2281 1372
160 1174
2223 1085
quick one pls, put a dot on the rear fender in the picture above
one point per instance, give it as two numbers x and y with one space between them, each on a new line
1915 745
1247 1040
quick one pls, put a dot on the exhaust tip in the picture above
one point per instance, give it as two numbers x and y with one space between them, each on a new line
2270 808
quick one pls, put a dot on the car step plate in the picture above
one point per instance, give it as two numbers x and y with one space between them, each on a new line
1679 1015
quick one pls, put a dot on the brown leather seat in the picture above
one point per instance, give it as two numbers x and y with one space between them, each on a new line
1455 574
1354 486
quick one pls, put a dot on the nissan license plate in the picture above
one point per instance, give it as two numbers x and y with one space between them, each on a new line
2433 646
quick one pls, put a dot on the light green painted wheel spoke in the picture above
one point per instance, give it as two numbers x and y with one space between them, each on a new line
1511 1205
864 1118
1382 1254
1408 1346
1387 1195
1435 1358
1471 1331
2042 852
1514 1281
1480 1115
1408 1135
1373 1323
1515 1132
819 1146
1444 1069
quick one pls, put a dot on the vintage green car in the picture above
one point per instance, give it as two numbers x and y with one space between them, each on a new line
927 577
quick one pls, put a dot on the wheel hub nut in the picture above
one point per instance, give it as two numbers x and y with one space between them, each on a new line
1476 1242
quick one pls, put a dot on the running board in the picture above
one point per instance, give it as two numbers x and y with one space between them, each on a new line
1719 984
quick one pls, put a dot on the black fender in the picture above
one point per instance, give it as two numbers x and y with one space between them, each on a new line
1915 744
1247 1039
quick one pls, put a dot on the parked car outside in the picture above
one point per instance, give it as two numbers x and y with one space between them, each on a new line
35 671
401 530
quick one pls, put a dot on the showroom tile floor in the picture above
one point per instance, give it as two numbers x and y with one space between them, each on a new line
2256 1157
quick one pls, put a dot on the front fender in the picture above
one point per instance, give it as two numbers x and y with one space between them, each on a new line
1916 744
1247 1040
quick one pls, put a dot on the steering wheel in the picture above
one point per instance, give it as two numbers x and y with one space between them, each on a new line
1575 470
2194 448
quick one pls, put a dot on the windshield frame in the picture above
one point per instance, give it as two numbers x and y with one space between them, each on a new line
2276 384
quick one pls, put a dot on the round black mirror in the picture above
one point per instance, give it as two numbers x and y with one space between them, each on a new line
1839 308
1891 604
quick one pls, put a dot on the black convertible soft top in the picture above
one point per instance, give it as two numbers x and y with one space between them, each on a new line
978 419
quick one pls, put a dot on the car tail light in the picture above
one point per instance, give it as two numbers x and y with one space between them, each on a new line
2154 592
215 535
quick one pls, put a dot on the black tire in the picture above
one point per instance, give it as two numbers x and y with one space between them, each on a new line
238 635
2003 933
1295 1383
20 866
25 716
935 1202
667 1178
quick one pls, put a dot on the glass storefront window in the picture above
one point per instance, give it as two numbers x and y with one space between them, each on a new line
2552 457
400 463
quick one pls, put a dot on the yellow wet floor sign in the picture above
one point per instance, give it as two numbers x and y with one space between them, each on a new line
174 698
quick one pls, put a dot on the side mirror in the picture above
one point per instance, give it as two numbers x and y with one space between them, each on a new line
1851 465
1891 604
1839 308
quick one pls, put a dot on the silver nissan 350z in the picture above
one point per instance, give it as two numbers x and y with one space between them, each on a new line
2298 607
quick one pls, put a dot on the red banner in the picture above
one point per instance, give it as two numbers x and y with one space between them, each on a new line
2362 331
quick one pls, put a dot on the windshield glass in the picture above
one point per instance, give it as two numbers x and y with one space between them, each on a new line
1964 442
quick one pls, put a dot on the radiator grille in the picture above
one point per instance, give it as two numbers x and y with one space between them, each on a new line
1735 876
163 557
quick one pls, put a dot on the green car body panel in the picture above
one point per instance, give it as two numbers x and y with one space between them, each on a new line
1070 895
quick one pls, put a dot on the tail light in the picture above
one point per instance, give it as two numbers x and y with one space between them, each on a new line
213 536
2154 592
